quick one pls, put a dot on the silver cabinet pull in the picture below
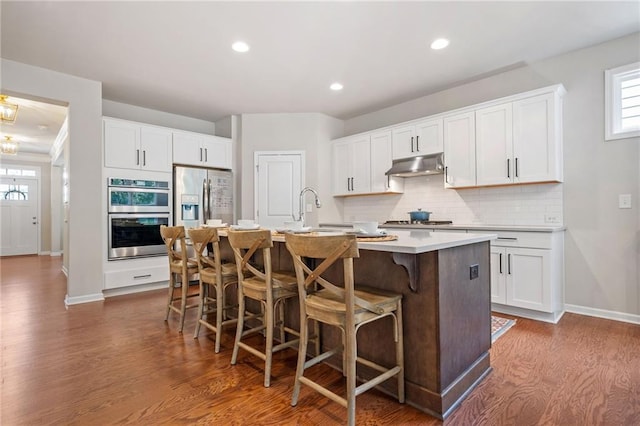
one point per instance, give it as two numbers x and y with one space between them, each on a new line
516 166
418 143
137 157
137 277
509 264
411 143
144 157
501 263
508 167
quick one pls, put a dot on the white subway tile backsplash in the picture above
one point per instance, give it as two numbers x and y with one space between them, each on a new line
507 205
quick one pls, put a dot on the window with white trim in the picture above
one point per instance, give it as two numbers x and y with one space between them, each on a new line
622 98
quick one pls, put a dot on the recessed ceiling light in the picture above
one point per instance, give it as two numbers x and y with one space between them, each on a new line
240 46
439 43
336 86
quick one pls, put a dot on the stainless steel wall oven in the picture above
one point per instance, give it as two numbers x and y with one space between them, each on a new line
137 208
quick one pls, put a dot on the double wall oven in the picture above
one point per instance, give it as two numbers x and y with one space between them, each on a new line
137 208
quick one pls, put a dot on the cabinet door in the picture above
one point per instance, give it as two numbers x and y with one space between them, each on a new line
494 145
187 149
460 150
381 154
498 275
216 152
535 149
155 147
121 144
403 142
429 137
360 153
341 168
529 279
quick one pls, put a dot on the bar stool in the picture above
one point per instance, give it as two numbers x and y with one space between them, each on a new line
215 277
271 288
343 307
179 266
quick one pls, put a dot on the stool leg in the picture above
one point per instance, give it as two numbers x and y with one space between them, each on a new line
302 350
219 306
350 352
400 352
183 302
239 327
201 302
281 314
270 324
172 284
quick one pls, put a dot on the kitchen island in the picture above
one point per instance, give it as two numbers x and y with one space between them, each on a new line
445 282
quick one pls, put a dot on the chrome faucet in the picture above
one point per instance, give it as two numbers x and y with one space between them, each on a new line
317 201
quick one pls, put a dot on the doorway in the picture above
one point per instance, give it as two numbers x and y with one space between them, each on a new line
279 178
19 211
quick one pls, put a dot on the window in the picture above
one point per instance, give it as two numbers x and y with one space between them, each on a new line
14 192
622 99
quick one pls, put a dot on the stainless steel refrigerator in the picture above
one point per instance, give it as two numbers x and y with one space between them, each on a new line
200 194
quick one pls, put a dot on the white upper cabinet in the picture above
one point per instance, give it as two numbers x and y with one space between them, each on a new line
421 138
130 145
460 150
537 139
360 163
381 154
494 145
519 142
197 149
352 165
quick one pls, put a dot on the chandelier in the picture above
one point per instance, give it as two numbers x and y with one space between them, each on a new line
8 111
8 146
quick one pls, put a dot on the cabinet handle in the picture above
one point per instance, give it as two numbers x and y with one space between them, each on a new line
200 154
501 263
516 166
507 238
144 157
509 264
388 182
352 184
135 277
418 143
446 174
137 157
411 143
206 155
509 168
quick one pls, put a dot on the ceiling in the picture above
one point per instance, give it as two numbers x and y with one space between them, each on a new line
176 56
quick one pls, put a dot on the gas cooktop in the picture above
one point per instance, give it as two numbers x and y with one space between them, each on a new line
418 222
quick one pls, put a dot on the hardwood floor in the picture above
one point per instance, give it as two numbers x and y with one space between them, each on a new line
118 362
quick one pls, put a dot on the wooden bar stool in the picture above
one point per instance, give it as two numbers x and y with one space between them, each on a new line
271 288
215 277
343 307
179 266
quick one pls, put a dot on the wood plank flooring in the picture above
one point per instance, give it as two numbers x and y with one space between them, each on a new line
118 362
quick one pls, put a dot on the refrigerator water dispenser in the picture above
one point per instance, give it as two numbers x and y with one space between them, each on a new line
190 207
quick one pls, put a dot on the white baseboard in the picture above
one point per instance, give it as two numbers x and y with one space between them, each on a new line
87 298
134 289
602 313
65 271
553 318
55 254
44 253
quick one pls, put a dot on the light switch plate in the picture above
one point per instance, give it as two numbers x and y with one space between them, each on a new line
624 201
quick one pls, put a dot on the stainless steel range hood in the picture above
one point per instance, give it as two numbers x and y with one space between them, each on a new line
417 166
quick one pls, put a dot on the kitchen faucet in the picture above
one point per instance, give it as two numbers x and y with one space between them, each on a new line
317 200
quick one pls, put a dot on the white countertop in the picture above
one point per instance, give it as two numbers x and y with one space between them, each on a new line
473 227
411 241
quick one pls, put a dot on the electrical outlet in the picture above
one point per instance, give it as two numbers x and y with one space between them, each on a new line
473 271
551 218
624 201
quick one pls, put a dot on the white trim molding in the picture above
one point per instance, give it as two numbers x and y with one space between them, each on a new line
602 313
614 81
87 298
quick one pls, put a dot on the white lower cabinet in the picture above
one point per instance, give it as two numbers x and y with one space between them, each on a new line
527 273
136 276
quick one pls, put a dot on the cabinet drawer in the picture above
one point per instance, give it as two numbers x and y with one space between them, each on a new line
131 277
542 240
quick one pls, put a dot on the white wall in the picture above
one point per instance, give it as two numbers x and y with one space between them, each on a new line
602 241
84 98
310 132
159 118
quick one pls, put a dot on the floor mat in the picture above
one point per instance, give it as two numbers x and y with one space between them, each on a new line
499 326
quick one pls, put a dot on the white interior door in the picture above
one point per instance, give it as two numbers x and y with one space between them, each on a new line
18 210
278 184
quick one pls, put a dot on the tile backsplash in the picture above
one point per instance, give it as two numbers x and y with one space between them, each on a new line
536 204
